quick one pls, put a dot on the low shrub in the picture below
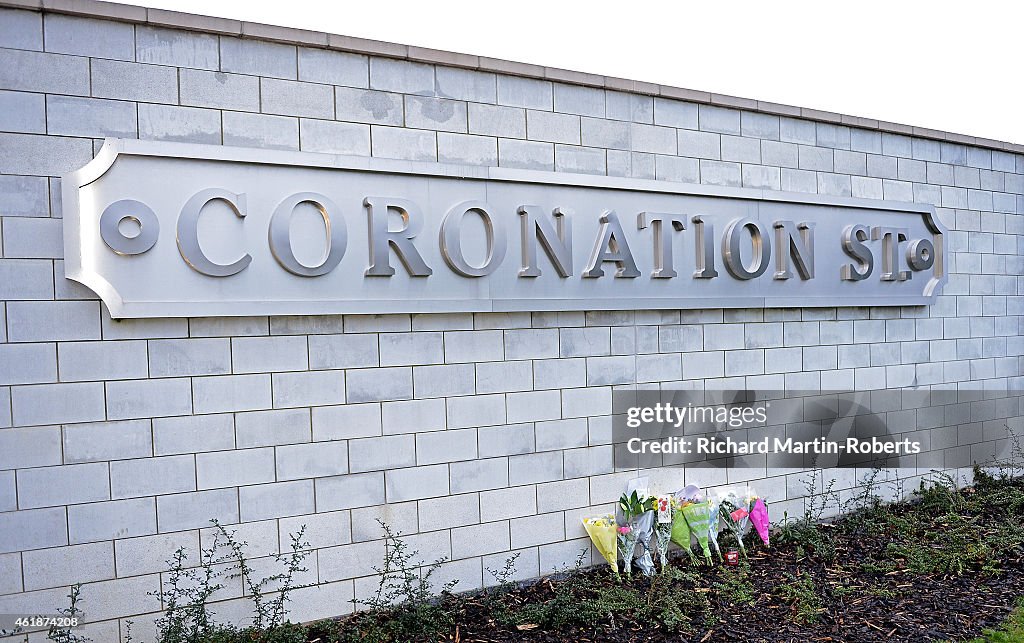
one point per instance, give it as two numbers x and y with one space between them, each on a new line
807 532
186 595
404 606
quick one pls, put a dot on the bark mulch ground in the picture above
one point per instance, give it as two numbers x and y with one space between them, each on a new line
942 568
895 606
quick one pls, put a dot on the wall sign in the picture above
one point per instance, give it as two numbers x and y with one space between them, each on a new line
174 230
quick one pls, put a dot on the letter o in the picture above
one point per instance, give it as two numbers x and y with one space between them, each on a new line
279 235
451 240
921 254
731 249
140 213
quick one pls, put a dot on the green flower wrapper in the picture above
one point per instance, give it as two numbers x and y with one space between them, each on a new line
697 516
681 533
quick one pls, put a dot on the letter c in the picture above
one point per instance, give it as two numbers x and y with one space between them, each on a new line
188 233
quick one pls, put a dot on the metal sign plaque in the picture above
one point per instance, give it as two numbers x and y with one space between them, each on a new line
175 230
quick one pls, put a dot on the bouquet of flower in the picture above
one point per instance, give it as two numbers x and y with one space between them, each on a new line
636 527
759 518
681 533
712 527
735 518
627 545
643 526
603 533
697 516
663 527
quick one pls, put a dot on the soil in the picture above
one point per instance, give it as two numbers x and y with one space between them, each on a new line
863 594
924 608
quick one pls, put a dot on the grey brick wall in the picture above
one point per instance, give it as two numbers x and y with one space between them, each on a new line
478 435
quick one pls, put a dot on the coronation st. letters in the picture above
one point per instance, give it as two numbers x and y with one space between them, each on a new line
162 230
792 243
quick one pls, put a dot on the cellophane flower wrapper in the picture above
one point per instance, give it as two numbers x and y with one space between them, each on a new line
643 527
663 528
725 512
681 533
712 528
627 545
662 537
759 518
603 532
747 506
697 515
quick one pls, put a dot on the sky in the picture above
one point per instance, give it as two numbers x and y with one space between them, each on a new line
953 66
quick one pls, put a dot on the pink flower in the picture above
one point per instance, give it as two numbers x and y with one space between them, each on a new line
625 529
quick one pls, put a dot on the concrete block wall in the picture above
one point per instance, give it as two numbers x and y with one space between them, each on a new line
476 435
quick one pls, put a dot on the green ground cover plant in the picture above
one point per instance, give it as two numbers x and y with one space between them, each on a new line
1012 631
876 573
